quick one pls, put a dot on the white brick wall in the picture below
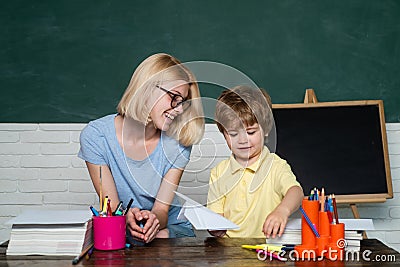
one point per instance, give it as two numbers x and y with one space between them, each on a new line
39 169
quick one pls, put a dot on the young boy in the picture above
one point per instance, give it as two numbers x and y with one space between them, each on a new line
254 188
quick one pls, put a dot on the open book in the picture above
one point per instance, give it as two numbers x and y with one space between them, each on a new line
202 218
50 232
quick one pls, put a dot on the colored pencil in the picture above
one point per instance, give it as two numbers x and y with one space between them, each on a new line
101 191
322 199
77 259
335 208
309 222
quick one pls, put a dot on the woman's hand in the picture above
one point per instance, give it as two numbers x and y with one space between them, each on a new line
142 224
150 224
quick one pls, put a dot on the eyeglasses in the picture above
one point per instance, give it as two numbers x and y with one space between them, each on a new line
176 99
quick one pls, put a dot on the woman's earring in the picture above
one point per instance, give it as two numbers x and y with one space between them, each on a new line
149 119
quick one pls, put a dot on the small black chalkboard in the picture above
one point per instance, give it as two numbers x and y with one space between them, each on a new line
340 146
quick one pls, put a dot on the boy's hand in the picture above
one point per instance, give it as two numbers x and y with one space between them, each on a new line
275 222
217 233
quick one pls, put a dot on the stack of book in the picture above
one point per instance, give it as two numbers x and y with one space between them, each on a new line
292 234
353 240
352 235
54 233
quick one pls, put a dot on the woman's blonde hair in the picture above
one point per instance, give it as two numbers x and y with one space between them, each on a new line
188 127
245 105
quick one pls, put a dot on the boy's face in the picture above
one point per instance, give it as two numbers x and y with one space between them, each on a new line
245 142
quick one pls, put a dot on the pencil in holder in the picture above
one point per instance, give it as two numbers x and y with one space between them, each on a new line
109 232
308 237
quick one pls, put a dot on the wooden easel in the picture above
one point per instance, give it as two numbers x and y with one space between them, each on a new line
311 98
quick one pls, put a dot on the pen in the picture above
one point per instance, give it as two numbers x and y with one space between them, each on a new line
310 197
109 212
118 209
77 259
94 211
265 247
141 225
288 247
104 210
129 206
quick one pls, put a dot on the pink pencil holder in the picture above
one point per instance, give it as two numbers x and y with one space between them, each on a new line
109 232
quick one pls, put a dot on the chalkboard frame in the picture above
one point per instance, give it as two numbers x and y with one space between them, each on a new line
357 197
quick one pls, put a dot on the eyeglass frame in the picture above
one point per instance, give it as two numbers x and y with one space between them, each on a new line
173 98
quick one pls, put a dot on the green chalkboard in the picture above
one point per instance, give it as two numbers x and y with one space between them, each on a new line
70 61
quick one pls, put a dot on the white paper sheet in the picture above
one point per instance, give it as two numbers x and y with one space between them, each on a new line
52 217
202 218
358 224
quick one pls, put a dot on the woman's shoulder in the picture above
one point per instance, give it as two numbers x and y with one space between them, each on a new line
106 120
102 122
101 126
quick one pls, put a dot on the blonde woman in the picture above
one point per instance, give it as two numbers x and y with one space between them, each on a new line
142 150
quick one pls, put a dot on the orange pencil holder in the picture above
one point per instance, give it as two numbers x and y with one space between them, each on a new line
329 242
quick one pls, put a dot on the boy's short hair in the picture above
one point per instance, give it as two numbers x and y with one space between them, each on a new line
246 105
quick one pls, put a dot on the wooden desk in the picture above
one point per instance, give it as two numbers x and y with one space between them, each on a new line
197 252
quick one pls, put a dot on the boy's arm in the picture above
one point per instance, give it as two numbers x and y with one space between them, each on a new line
275 222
